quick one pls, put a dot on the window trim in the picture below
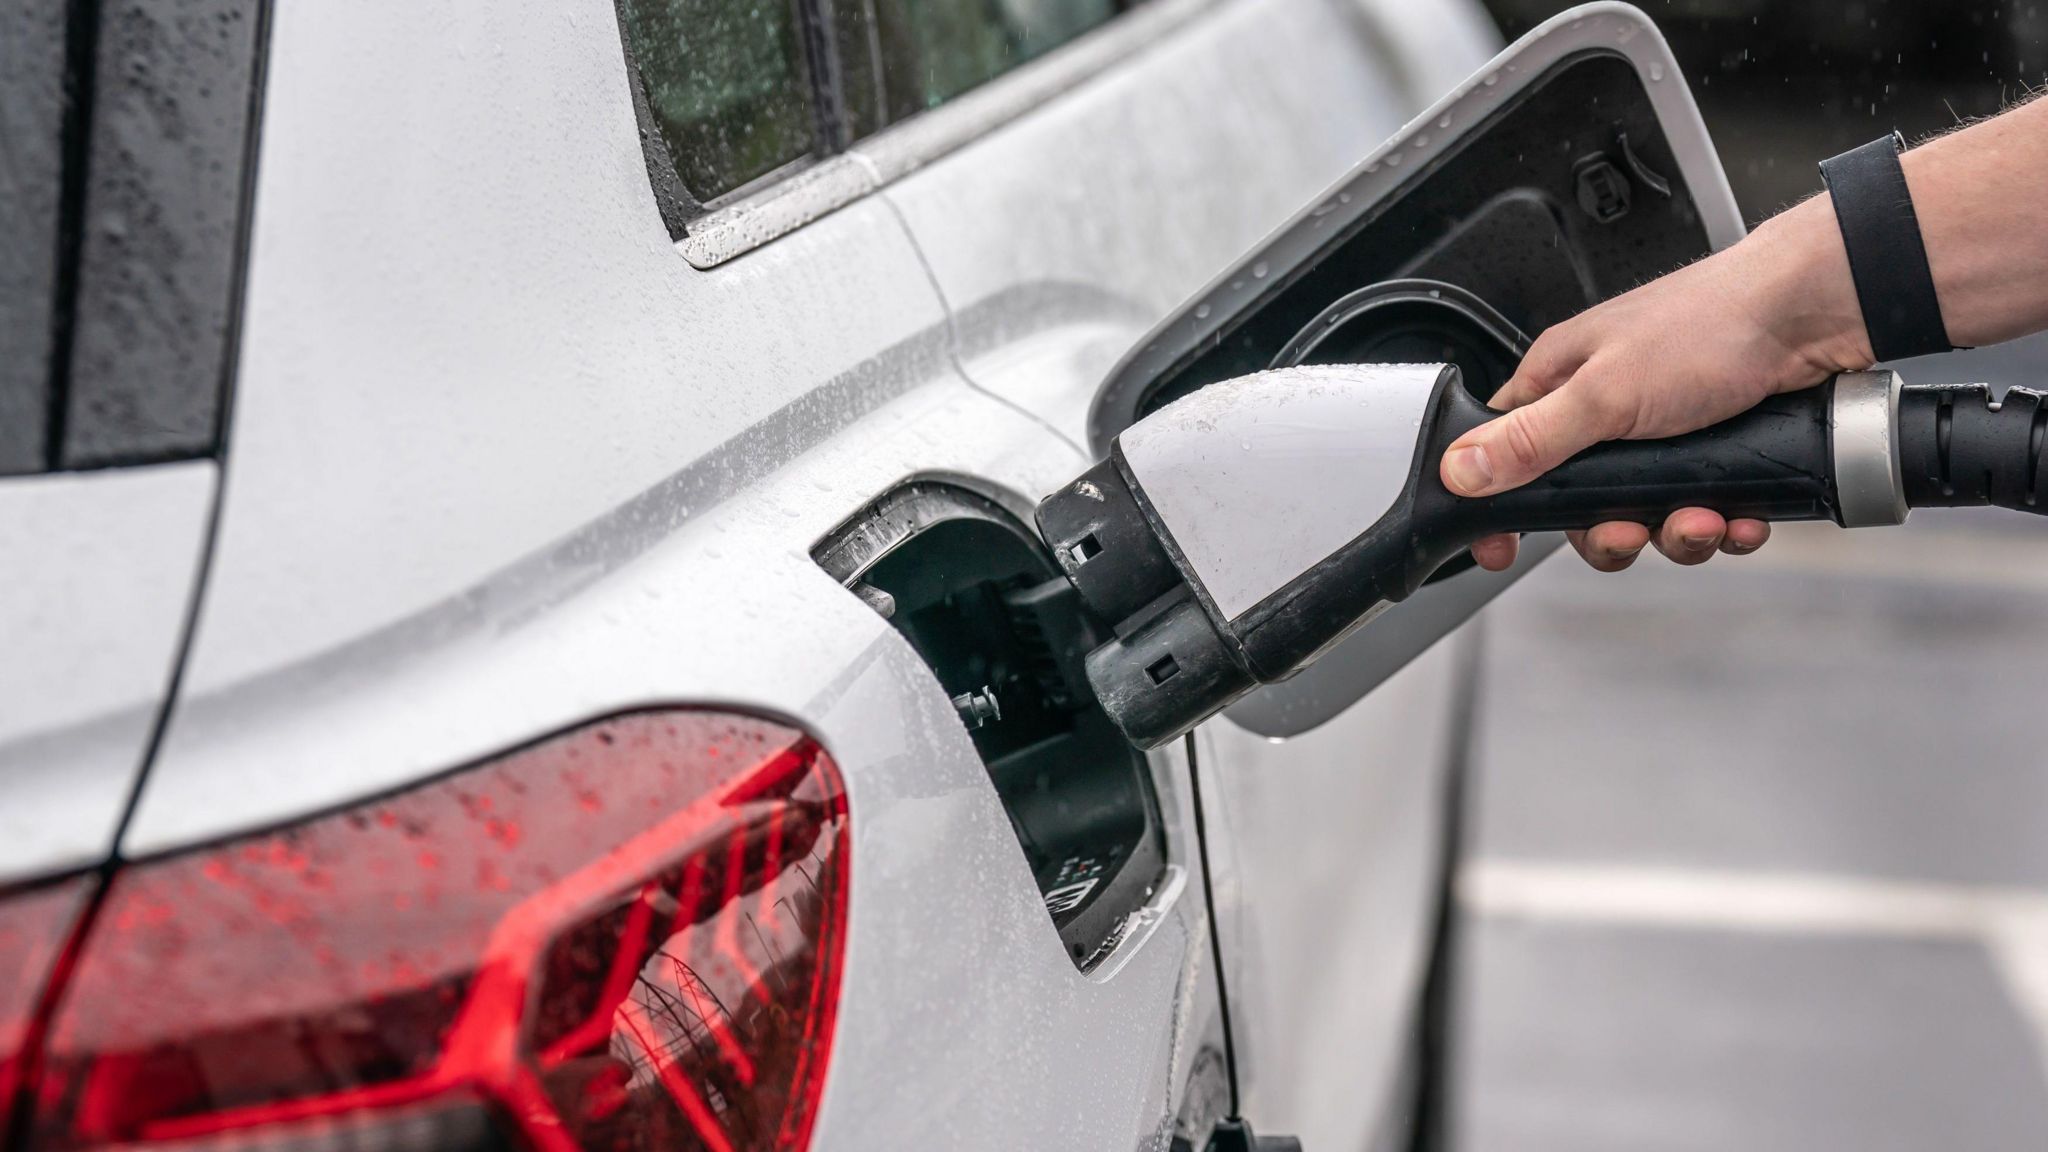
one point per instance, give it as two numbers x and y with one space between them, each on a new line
779 203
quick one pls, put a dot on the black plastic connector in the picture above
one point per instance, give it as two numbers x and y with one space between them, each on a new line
1100 538
1958 447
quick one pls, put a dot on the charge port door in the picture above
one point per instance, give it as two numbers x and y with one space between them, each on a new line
975 593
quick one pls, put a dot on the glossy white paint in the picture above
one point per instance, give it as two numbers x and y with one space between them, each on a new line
467 334
1260 478
97 569
1431 48
1327 884
1119 199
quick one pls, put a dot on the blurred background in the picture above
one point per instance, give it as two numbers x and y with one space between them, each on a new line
1758 851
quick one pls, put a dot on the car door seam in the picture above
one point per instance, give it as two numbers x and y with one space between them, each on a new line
252 144
952 325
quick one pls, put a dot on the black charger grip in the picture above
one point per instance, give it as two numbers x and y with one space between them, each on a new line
1958 447
1773 462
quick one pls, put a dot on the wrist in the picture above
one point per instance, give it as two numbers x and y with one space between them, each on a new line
1806 296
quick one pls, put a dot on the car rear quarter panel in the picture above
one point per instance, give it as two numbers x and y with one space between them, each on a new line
501 462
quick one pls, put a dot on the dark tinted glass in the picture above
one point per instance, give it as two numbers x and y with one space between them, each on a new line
727 85
933 50
32 124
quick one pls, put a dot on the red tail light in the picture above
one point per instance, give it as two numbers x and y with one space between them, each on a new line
33 927
624 937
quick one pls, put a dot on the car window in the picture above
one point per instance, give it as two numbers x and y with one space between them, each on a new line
732 91
727 86
934 50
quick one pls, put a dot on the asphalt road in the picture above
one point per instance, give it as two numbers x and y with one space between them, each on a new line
1759 850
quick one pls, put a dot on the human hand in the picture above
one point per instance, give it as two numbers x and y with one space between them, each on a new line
1774 313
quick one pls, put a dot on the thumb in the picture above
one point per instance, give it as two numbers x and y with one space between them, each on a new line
1523 444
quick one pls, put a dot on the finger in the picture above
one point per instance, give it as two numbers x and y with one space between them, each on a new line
1514 449
1745 536
1497 553
1543 370
1610 547
1691 535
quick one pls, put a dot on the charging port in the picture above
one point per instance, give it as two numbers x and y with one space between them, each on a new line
978 596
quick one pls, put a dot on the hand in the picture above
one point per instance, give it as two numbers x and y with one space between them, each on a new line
1774 313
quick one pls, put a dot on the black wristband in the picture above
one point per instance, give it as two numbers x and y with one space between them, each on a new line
1887 259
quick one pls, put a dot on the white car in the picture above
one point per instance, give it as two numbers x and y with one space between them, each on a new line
520 623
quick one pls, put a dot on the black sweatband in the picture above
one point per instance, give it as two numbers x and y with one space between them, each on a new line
1887 259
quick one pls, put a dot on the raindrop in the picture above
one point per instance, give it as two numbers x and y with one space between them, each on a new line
1394 160
1245 444
1445 122
1656 71
1259 270
1422 141
1492 79
1201 311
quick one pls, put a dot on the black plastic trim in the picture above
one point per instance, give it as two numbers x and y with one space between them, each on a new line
158 236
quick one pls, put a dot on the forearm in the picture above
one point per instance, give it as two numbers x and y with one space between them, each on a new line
1977 193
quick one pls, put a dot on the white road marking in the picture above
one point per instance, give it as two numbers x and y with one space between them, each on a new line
2016 561
2011 924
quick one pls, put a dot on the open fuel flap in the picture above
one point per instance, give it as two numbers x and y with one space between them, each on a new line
975 593
1570 169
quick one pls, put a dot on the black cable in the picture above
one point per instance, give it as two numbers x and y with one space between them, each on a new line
1215 925
1429 1124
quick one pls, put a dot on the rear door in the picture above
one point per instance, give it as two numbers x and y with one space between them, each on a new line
521 442
1566 170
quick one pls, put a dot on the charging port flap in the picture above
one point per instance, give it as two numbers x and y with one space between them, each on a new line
978 597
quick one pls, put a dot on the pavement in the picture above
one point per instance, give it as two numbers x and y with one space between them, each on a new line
1758 851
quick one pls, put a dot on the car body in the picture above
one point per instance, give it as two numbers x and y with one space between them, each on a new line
514 430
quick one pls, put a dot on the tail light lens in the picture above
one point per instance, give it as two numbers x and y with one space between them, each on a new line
34 924
628 936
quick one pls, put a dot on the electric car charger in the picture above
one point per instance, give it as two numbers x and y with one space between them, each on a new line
1238 532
